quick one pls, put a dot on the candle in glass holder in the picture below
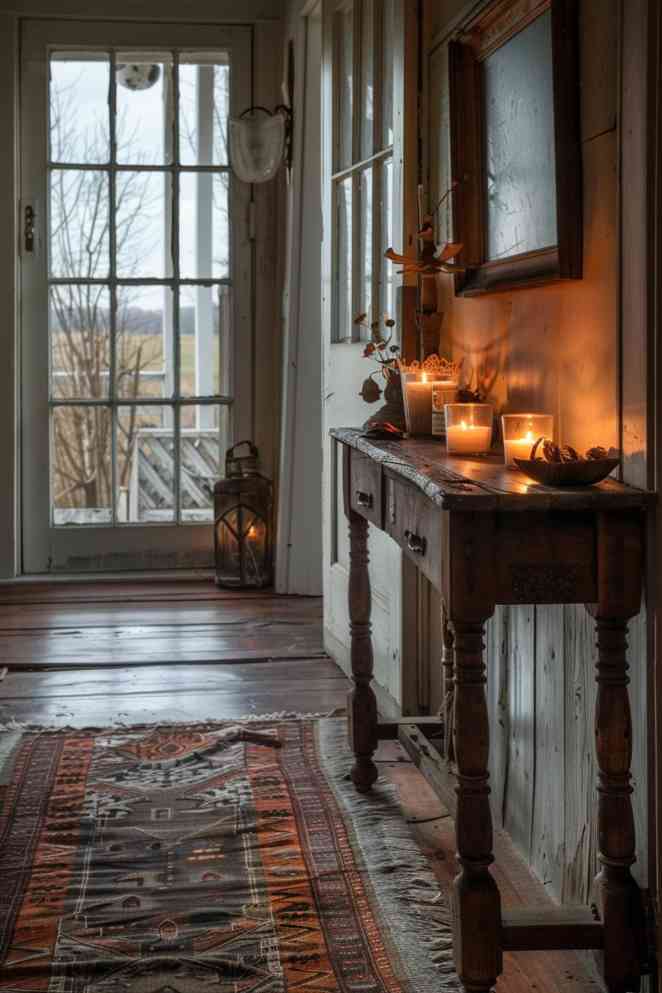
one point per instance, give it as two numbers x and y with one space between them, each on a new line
443 391
468 428
417 392
520 433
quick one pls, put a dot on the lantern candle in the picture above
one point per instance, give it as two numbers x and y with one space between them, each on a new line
468 428
242 529
520 433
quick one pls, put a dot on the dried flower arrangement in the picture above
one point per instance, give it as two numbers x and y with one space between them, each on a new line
381 351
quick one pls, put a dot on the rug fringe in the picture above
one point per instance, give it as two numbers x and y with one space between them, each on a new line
400 874
203 725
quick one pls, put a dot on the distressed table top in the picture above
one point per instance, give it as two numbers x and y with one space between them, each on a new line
483 483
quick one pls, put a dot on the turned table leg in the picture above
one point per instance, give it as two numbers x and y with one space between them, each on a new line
362 701
448 681
618 895
476 899
620 554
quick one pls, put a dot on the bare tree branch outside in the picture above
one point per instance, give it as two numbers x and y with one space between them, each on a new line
80 323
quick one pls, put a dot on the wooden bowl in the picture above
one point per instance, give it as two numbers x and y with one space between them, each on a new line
567 473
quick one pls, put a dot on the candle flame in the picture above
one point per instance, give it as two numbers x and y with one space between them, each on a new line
252 531
424 377
463 425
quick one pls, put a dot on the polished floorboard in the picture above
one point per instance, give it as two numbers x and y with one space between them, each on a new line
127 625
113 654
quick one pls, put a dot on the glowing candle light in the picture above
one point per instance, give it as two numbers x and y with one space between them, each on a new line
468 428
521 431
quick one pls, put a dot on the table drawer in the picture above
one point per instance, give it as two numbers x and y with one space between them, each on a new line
415 523
365 494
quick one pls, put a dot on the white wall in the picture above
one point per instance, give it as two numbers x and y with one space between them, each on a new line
265 16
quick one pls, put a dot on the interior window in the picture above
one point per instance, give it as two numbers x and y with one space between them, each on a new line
362 165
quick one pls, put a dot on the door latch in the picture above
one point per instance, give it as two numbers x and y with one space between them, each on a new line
28 228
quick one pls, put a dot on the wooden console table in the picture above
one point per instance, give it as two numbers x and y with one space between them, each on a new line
484 535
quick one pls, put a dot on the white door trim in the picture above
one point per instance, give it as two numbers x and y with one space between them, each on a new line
118 547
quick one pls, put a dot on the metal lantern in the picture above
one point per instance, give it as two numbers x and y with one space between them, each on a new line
242 522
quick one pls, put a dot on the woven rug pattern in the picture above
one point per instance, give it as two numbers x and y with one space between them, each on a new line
235 858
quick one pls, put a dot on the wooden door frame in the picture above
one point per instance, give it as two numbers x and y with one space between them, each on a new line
264 17
653 240
640 147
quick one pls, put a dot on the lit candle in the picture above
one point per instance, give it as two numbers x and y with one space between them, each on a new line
418 404
443 391
463 438
520 433
518 448
468 428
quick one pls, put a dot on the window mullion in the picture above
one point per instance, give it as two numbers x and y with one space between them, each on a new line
174 242
356 82
357 109
377 242
112 239
356 253
377 76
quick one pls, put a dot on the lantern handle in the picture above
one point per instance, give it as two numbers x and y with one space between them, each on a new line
253 448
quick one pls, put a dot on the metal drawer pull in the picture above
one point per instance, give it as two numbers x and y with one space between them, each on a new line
364 499
415 543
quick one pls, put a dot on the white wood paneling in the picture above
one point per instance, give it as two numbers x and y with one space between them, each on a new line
558 348
299 529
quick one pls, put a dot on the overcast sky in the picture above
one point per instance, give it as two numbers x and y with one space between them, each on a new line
141 117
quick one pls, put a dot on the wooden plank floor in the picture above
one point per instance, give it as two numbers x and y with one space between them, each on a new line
127 627
48 630
143 695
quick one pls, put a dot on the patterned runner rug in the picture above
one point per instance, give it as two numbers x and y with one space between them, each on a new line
234 858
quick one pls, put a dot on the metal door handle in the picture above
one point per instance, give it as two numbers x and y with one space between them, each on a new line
364 499
415 543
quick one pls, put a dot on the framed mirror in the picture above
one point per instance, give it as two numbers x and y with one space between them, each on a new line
515 145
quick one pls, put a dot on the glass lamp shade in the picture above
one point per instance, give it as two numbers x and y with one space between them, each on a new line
257 144
242 532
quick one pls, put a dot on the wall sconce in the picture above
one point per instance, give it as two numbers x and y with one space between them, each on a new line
259 141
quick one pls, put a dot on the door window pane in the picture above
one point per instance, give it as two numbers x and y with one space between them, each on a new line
344 71
81 485
144 353
203 437
204 326
141 224
116 343
79 128
79 244
367 116
204 106
79 326
344 315
388 37
204 225
145 470
144 108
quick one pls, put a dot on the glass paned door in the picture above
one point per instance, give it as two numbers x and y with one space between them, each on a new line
132 290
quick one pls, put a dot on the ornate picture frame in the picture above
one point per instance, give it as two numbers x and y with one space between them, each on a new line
516 145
